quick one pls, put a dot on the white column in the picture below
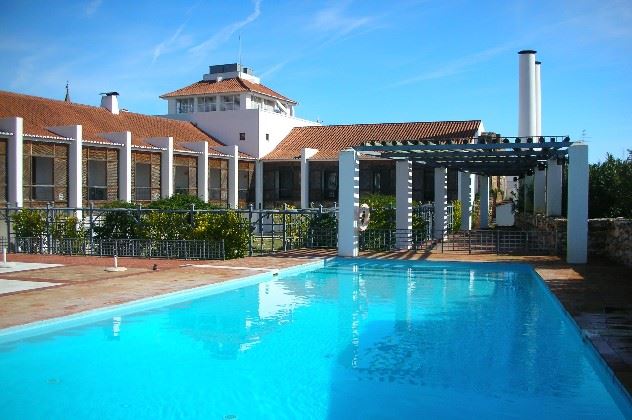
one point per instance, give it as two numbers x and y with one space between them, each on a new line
305 155
527 94
404 203
202 167
483 190
538 101
539 185
75 170
233 175
577 224
553 188
259 184
166 164
349 200
466 196
15 168
440 202
124 138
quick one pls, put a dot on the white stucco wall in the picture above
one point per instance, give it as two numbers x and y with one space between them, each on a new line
226 126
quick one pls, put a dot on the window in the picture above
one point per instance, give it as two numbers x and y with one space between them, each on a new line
230 103
207 104
218 181
143 181
256 102
242 136
42 175
331 185
286 183
181 180
184 106
268 105
267 137
97 180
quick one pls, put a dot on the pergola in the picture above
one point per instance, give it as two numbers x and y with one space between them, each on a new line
482 156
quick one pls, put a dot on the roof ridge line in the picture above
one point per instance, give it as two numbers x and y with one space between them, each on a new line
388 123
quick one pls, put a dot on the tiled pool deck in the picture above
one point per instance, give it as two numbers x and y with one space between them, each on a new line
597 295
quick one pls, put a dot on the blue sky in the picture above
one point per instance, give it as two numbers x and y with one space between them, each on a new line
344 62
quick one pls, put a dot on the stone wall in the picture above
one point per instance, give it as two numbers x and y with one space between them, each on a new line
609 238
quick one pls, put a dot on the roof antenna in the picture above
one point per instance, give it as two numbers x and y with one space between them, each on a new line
67 98
239 57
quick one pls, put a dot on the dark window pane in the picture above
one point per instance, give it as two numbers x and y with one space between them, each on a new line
43 193
181 180
143 194
143 175
42 170
97 193
286 183
97 173
214 178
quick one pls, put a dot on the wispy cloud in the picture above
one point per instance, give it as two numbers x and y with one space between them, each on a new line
172 43
333 24
460 65
227 31
335 21
92 7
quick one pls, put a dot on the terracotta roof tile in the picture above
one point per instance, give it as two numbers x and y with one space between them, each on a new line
330 140
236 84
40 113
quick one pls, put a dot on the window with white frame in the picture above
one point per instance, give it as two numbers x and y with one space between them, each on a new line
268 105
184 106
207 104
257 102
229 103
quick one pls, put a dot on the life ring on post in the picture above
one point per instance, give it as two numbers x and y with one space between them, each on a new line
364 215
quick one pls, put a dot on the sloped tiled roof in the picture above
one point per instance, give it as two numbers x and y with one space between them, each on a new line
232 85
330 140
40 113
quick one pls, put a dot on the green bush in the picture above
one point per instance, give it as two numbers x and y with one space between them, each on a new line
29 223
322 228
382 211
67 226
228 226
180 202
456 216
610 188
119 224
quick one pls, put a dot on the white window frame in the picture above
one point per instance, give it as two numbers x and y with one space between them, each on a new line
185 105
207 104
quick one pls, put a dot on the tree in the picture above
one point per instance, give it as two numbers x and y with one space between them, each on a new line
610 191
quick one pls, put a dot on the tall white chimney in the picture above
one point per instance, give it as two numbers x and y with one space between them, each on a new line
109 101
527 113
538 101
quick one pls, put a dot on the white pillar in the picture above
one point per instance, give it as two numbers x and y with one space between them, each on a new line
305 155
577 224
538 101
404 203
124 138
349 198
15 168
233 175
483 190
553 188
166 164
202 167
527 94
75 170
440 202
466 196
259 184
539 185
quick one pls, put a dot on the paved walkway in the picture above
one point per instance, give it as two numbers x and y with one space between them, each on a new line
597 295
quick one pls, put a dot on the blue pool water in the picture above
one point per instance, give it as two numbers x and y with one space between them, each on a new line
355 339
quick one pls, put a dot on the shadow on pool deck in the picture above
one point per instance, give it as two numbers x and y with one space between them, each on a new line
597 295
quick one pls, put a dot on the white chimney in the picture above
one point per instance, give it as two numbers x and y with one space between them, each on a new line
527 94
538 101
109 101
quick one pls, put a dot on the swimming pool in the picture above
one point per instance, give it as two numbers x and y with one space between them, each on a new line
353 339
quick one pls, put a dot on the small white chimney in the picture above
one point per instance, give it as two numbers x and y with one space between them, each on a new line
527 113
109 101
538 101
